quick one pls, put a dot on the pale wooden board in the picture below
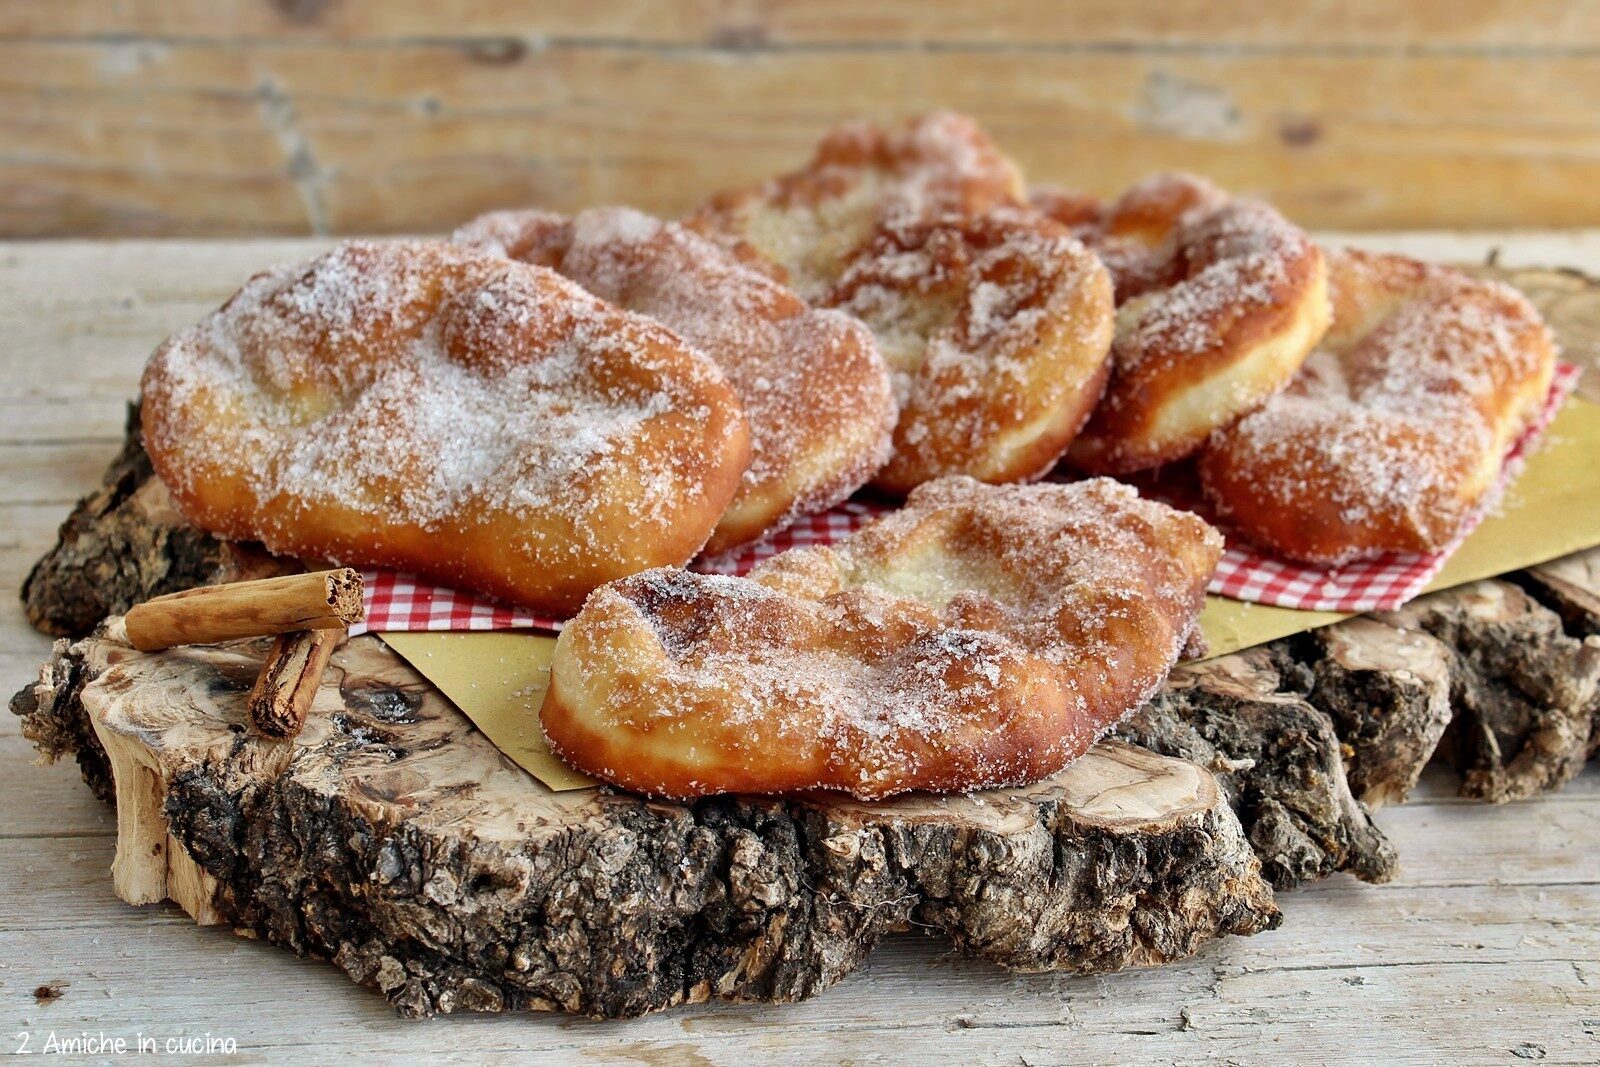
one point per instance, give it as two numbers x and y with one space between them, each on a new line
1484 945
1487 24
317 116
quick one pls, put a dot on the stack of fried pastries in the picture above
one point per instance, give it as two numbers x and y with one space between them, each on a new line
995 321
562 412
1219 302
980 636
995 311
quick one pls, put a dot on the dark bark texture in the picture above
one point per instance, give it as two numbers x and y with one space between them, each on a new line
392 839
1278 760
126 542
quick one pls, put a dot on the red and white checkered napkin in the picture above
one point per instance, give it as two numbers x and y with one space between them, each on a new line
397 601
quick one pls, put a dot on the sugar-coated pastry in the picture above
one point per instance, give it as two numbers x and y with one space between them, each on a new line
804 227
995 321
997 327
1396 426
814 388
981 636
1219 301
482 422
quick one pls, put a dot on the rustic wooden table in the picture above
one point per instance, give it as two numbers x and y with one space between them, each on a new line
1486 949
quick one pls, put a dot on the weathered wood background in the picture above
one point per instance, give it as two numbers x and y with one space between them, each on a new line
159 117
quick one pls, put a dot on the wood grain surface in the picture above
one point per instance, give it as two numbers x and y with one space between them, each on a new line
341 116
1483 951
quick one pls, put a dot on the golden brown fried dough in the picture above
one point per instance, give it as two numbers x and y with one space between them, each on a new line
481 422
995 321
1397 425
981 636
1218 303
813 386
804 227
998 330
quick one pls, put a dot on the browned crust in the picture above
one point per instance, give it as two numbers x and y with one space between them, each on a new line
1159 239
493 551
684 685
814 388
1042 370
938 180
1042 733
933 164
1302 502
1121 435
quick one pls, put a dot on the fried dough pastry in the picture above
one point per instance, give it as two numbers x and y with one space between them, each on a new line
1219 301
482 422
814 388
1397 425
981 636
805 226
995 321
997 328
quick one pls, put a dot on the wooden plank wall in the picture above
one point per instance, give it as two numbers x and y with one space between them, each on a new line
160 117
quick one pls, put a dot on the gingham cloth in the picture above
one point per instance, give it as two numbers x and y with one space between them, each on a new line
396 601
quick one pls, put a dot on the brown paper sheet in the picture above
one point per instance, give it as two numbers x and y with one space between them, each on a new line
498 679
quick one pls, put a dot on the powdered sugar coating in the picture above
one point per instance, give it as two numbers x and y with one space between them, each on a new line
995 322
804 227
1218 303
448 412
813 386
997 328
1395 427
980 636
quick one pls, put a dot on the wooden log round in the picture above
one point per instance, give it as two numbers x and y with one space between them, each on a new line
1363 692
393 839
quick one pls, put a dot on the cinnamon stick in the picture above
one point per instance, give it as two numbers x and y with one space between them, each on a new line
289 680
322 600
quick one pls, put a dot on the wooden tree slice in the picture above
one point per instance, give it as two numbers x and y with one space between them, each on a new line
1362 689
132 538
393 839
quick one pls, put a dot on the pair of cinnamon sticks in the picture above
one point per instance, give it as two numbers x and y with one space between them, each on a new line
308 613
